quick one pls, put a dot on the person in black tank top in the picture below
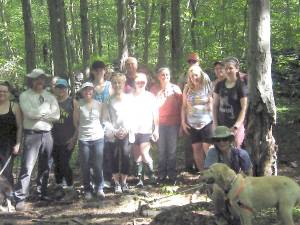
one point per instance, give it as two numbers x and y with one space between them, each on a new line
10 130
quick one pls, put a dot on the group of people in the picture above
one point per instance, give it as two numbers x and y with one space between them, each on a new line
115 119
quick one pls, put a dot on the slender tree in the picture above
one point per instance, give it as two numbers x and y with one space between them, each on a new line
193 7
85 33
122 33
132 25
162 56
149 14
58 42
176 39
262 111
30 56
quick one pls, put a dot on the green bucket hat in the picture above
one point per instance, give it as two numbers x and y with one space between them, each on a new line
222 132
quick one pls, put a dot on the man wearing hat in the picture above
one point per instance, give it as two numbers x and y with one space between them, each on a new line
224 152
64 135
40 109
237 159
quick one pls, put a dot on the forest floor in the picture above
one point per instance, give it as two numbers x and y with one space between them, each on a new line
182 204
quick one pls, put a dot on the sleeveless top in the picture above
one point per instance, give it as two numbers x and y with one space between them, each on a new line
8 126
64 128
198 114
103 96
90 128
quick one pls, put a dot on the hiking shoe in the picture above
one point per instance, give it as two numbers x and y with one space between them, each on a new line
20 206
107 184
100 194
125 188
118 189
140 183
88 196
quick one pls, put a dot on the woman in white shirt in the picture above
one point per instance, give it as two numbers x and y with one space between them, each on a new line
145 125
88 117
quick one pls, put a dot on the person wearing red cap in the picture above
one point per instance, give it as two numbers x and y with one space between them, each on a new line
193 59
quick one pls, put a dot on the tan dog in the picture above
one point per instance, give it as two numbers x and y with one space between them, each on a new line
251 194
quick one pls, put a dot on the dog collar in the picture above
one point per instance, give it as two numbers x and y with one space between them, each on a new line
230 185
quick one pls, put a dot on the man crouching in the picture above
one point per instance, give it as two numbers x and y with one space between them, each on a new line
237 159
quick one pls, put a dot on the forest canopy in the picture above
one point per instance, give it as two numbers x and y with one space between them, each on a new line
215 29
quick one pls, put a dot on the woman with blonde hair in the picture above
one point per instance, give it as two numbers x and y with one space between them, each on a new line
196 113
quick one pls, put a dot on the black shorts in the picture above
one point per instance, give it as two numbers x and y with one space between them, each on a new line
142 138
202 135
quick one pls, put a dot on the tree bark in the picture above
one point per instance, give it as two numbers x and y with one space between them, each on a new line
85 34
147 28
262 112
176 39
75 40
162 59
122 33
58 42
132 23
30 57
193 7
6 40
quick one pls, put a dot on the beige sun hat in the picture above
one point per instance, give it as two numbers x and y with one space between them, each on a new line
35 73
87 84
222 132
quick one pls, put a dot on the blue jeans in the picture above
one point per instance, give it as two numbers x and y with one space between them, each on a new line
167 144
91 157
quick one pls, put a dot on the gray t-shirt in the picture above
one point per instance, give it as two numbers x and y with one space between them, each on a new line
90 128
239 159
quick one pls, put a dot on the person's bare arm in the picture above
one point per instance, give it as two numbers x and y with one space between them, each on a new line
242 114
216 103
19 121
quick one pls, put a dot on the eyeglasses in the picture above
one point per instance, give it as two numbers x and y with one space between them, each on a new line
222 139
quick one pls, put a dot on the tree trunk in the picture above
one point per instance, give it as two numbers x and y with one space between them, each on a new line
147 28
162 59
6 40
262 111
193 6
75 40
132 22
99 31
85 34
30 57
58 42
122 33
176 40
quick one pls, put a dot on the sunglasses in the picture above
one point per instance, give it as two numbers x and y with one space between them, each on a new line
221 139
191 61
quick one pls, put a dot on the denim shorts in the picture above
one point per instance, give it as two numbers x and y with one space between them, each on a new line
142 138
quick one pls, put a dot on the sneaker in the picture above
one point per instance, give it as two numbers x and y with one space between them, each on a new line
100 194
88 195
125 188
20 206
107 184
39 189
140 183
118 189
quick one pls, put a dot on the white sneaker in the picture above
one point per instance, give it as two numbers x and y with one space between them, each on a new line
100 194
118 189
